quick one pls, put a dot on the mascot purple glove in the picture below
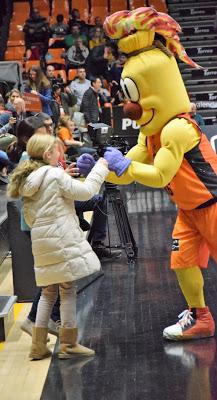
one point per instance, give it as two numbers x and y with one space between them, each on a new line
116 161
85 163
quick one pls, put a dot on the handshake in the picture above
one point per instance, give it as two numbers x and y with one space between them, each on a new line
115 159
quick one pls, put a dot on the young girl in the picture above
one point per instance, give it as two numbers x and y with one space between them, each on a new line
65 130
61 253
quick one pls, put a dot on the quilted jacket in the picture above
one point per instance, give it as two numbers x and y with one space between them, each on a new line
61 252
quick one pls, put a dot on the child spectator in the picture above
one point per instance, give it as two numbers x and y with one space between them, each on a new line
61 253
65 131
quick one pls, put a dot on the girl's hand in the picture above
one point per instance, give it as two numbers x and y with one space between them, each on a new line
102 161
73 170
34 92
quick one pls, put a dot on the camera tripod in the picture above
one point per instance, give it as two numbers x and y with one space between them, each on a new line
113 196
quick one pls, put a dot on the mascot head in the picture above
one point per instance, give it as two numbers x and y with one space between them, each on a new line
150 80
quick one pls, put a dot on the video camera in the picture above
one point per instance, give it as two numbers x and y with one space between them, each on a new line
102 136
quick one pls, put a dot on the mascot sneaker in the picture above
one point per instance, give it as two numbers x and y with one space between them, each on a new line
195 323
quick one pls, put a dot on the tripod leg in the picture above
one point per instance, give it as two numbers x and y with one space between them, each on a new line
123 225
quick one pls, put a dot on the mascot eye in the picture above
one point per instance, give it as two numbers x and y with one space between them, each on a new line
130 89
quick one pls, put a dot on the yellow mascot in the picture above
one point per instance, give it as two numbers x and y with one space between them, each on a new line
171 152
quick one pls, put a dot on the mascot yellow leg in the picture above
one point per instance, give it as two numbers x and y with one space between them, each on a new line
197 321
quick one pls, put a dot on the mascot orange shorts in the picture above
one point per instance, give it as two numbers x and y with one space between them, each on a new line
194 237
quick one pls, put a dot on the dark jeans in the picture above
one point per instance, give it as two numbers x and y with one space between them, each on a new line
97 204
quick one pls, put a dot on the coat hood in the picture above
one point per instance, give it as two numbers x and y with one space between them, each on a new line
34 181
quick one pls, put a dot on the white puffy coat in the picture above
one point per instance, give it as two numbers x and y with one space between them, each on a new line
61 252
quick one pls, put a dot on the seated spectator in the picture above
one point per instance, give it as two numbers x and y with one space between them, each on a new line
97 38
65 130
91 105
75 18
99 61
75 34
197 117
40 85
52 78
59 29
97 24
77 54
11 96
79 86
62 102
36 29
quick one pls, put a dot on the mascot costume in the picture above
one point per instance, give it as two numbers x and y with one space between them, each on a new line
171 152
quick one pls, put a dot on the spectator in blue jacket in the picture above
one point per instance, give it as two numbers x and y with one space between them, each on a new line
40 85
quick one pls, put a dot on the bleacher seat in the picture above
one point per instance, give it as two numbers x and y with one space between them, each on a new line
60 73
72 73
31 63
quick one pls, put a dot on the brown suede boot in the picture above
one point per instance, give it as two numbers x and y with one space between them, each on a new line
69 346
39 347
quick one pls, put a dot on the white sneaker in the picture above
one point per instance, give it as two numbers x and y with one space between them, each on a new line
175 332
53 327
27 326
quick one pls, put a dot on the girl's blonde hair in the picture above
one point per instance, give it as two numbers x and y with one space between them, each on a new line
63 121
37 148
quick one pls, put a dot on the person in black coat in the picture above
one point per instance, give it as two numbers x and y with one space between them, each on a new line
36 29
91 102
99 61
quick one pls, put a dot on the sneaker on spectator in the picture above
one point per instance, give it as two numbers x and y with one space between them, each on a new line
53 327
27 326
104 253
195 323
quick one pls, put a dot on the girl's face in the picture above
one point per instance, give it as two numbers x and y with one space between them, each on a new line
71 125
52 156
32 75
13 96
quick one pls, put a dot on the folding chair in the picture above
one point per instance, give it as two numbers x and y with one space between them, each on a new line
21 7
137 3
159 5
118 5
72 73
54 56
101 12
30 63
60 73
